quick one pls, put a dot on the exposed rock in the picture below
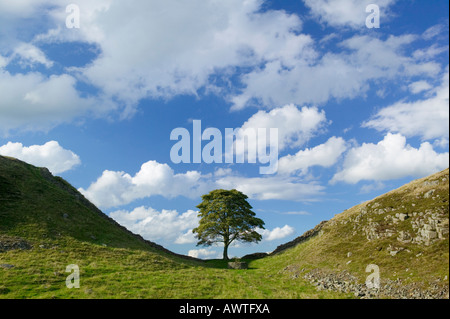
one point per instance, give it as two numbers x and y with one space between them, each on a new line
237 265
6 266
12 243
347 283
429 193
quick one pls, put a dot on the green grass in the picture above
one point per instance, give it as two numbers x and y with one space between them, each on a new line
127 273
65 229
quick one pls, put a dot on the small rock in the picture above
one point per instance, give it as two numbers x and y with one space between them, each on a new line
429 193
393 252
6 266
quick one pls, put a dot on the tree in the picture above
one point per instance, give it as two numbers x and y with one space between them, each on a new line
226 216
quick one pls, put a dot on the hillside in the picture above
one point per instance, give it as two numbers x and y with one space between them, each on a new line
46 224
404 232
40 207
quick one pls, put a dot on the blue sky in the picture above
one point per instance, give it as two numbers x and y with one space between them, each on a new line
359 111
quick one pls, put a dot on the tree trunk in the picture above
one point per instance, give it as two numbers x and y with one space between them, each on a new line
225 252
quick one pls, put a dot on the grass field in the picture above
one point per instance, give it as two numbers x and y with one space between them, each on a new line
131 273
64 229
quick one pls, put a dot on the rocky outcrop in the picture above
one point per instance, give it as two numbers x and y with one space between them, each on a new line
409 221
345 282
10 243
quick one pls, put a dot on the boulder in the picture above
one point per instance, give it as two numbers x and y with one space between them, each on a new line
237 265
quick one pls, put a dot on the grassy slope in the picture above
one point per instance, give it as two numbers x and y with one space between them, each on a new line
113 263
33 209
416 263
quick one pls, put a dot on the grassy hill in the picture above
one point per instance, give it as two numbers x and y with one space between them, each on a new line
46 224
404 232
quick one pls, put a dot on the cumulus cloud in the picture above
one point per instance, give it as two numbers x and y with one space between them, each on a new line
295 126
427 118
167 226
30 54
276 233
342 75
35 102
207 37
274 187
50 155
325 155
390 159
172 227
208 40
114 189
204 253
345 13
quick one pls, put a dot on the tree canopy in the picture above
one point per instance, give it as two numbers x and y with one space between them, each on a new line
225 217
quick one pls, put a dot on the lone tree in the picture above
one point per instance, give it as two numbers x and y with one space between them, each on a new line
226 216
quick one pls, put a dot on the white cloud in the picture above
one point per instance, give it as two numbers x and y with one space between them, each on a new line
390 159
276 233
346 13
368 188
30 54
274 187
433 31
419 86
167 225
204 254
427 118
50 155
23 8
186 238
3 61
299 213
295 126
206 37
343 75
113 189
34 102
325 155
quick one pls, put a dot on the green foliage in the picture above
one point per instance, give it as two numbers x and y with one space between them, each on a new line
226 216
